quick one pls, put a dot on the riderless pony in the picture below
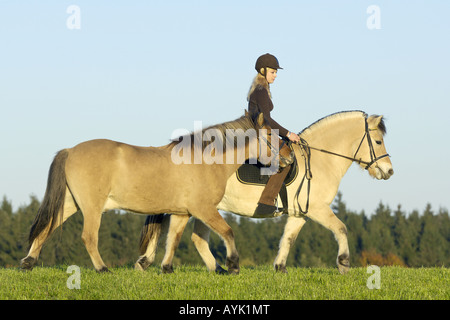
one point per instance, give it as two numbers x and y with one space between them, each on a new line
100 175
327 149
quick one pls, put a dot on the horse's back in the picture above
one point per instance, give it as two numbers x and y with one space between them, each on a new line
120 175
104 150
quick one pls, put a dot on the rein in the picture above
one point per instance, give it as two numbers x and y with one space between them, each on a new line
373 157
306 149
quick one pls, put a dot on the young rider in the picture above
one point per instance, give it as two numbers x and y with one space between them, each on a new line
260 100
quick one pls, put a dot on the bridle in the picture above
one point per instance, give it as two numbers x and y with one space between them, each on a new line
306 149
373 157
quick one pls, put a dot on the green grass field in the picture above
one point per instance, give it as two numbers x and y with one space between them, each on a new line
195 283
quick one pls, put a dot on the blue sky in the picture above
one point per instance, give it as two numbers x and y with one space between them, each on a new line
136 72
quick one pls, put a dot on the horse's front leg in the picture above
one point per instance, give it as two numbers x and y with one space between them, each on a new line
328 219
291 231
215 222
200 238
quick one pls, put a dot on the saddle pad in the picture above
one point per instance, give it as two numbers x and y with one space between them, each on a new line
251 174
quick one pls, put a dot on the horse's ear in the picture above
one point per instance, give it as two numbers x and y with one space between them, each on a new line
375 120
260 119
246 113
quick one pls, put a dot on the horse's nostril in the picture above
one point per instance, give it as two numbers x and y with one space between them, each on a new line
391 172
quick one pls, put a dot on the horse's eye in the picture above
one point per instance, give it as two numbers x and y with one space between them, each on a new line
378 142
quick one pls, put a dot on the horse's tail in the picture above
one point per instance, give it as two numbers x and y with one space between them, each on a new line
150 231
53 202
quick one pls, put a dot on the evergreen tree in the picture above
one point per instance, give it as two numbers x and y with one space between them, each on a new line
405 237
7 242
431 249
380 231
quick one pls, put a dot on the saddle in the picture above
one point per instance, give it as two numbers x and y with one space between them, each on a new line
251 174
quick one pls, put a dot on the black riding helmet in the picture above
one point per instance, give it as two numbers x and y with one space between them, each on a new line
267 61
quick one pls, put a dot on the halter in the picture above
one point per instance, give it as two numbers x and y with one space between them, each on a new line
307 155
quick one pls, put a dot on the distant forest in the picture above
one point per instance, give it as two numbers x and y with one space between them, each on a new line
385 237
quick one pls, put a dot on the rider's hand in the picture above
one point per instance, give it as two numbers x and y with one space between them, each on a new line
293 137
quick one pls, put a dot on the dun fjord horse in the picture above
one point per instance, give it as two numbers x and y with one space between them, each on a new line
100 175
342 138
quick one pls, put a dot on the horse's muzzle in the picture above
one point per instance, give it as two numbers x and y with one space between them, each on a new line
383 173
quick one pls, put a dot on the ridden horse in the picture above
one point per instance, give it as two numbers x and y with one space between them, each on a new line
343 138
100 175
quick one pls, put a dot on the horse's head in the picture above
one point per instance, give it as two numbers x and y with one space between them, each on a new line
270 144
373 154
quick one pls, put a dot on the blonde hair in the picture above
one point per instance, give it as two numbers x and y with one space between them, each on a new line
259 81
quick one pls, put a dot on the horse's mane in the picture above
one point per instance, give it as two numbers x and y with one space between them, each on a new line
340 115
238 127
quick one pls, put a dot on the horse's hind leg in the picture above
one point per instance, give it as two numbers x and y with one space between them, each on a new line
214 220
154 226
200 238
91 226
291 231
69 209
176 228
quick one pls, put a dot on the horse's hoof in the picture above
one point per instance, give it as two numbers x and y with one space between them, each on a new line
343 269
142 264
104 270
233 271
27 263
220 270
343 263
167 269
280 268
138 267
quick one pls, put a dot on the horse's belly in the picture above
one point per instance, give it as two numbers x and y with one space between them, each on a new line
144 205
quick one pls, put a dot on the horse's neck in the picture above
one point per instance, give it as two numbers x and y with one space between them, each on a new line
341 137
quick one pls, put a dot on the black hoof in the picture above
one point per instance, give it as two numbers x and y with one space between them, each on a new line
280 268
232 264
167 269
27 263
104 270
220 270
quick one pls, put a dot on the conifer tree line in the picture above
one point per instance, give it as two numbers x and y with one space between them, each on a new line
385 237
